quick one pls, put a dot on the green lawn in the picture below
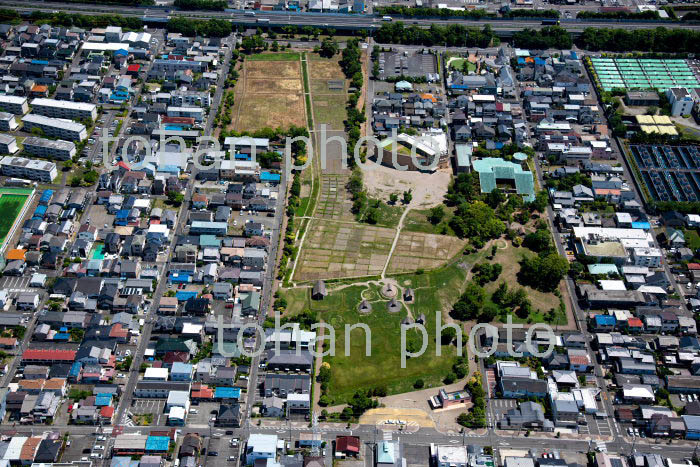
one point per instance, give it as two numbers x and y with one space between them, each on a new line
417 221
458 63
10 207
435 291
692 239
389 216
274 56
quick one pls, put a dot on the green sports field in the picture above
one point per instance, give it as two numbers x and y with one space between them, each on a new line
11 203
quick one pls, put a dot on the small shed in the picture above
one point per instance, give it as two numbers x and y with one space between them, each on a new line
319 291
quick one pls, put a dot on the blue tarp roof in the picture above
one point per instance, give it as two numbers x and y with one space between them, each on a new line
75 369
183 296
641 225
40 210
103 399
269 177
180 278
46 196
122 214
157 443
227 393
607 320
61 336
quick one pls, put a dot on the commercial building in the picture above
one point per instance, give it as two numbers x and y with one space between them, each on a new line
55 127
493 171
64 109
31 169
50 149
14 104
681 101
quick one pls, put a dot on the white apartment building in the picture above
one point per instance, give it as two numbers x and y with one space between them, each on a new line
30 169
8 144
64 109
49 149
14 104
649 257
193 112
56 127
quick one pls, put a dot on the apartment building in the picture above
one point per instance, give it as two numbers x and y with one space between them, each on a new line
14 104
49 149
31 169
8 122
64 109
8 144
192 112
56 127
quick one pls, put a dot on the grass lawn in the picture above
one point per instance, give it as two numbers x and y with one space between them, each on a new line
692 239
389 216
271 56
10 206
330 109
509 258
417 221
435 291
458 63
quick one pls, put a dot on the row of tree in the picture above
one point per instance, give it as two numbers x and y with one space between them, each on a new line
453 35
649 40
548 37
622 15
214 5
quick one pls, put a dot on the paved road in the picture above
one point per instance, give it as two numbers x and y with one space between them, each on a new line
337 22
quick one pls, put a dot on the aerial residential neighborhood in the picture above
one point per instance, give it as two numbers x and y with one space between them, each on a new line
335 233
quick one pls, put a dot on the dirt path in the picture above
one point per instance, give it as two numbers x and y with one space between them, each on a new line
317 367
396 240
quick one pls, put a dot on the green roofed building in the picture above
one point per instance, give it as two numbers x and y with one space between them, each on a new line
493 170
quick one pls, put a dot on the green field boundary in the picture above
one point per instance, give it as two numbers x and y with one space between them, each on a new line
8 190
274 56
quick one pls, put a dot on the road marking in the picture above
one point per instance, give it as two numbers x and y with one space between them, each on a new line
454 441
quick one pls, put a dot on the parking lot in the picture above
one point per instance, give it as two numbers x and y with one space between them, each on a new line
16 285
155 407
203 415
595 426
83 447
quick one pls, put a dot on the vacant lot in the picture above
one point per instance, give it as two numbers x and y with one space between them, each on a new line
269 93
329 110
417 221
435 292
415 250
270 86
335 249
272 111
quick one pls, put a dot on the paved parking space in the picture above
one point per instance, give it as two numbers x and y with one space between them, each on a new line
204 413
16 285
596 426
498 408
154 407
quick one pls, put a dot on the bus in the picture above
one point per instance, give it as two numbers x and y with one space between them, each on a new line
263 20
387 18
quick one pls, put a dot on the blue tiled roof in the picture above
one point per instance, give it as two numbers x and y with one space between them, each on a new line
227 393
605 320
157 443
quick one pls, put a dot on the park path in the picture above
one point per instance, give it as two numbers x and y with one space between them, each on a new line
396 240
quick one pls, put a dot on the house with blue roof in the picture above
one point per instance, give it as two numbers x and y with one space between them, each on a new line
74 372
269 177
180 278
604 322
121 217
209 241
103 399
223 392
184 295
157 444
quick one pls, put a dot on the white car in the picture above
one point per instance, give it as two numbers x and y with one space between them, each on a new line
682 397
98 447
103 438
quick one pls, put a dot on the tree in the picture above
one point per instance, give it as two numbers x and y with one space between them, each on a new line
329 47
373 216
407 196
175 197
538 241
76 335
393 198
476 221
419 384
543 272
436 215
447 336
470 303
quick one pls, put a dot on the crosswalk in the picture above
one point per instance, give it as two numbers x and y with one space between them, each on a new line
387 435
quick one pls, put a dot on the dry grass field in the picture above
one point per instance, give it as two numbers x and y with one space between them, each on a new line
417 250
